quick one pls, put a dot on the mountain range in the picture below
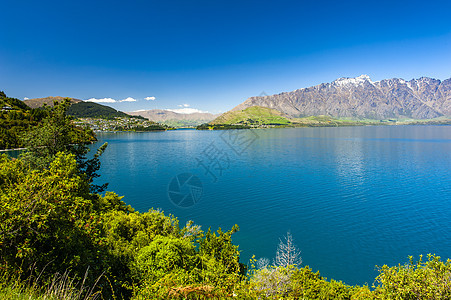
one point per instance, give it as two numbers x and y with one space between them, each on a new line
171 118
361 98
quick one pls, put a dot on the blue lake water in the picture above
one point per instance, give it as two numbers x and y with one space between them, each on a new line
352 197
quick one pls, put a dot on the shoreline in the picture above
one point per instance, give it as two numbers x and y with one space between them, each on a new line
15 149
335 124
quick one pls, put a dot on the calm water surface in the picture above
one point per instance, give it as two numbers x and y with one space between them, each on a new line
352 197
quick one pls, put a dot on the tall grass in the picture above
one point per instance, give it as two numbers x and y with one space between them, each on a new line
60 287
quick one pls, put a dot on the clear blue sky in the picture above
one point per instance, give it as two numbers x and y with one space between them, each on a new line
212 55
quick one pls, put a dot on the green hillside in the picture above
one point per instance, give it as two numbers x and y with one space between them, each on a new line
93 110
254 116
15 118
13 103
328 121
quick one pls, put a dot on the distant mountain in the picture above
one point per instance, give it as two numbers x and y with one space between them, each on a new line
361 98
39 102
171 118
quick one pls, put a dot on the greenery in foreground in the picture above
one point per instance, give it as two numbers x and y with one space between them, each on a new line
60 239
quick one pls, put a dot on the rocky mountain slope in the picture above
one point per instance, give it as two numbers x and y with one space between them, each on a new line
360 97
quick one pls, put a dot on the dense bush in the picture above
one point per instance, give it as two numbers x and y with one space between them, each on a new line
429 279
293 282
50 221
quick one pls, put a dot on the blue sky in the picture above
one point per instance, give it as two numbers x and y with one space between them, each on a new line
213 55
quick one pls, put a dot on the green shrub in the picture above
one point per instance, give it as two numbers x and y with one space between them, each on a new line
429 279
164 255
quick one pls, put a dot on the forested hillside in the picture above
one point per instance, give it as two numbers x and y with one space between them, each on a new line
94 110
15 118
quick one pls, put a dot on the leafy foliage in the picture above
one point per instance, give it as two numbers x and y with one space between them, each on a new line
90 166
15 120
55 133
47 217
291 282
14 103
176 267
429 279
50 220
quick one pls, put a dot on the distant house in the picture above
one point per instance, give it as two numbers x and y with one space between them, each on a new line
7 108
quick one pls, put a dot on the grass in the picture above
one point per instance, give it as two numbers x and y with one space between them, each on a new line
61 287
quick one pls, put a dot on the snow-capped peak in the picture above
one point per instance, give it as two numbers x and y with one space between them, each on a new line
353 81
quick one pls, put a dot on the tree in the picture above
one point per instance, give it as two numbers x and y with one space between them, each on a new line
54 134
287 253
50 223
57 133
47 216
89 167
271 281
277 280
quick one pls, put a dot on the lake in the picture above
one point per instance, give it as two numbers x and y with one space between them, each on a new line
352 197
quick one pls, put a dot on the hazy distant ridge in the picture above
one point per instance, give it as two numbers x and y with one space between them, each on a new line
169 117
423 98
